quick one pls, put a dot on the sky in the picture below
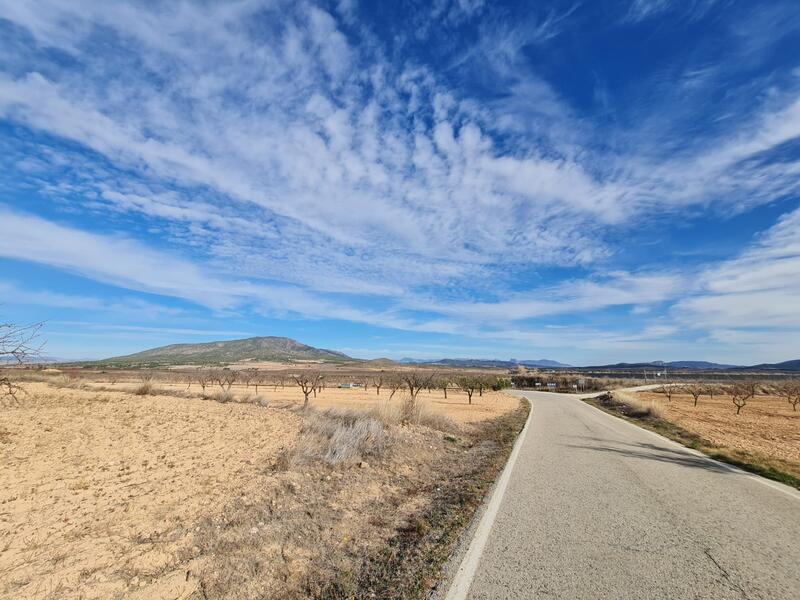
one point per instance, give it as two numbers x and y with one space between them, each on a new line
588 182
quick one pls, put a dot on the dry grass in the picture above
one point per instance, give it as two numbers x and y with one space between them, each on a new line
146 388
222 396
338 437
638 407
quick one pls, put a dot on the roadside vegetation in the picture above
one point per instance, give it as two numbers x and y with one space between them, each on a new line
749 424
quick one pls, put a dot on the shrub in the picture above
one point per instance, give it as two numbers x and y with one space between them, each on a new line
339 437
387 412
223 396
640 408
433 420
145 388
258 399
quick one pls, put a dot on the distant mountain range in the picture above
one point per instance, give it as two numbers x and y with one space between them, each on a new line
277 349
677 364
787 365
483 363
282 349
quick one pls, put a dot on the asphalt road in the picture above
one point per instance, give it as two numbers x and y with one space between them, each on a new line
596 507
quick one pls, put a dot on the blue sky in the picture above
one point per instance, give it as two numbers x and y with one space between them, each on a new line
583 181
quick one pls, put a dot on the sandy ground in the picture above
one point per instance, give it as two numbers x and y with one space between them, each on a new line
766 426
104 494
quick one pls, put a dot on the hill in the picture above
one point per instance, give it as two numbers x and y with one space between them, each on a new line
787 365
277 349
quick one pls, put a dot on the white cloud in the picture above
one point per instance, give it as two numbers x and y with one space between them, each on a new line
300 168
753 298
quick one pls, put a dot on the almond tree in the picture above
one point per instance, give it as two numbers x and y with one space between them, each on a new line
204 378
378 381
789 390
741 392
443 384
225 378
248 376
17 344
395 383
414 381
469 384
695 390
308 384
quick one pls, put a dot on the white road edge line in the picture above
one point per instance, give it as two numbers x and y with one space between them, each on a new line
733 469
462 581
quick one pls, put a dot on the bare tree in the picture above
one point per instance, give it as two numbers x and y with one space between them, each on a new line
17 345
203 378
248 376
741 392
395 383
790 390
308 383
443 384
414 381
695 390
224 378
378 381
469 384
668 390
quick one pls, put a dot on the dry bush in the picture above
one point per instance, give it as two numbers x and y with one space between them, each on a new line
145 388
222 396
387 412
258 399
640 408
339 437
426 417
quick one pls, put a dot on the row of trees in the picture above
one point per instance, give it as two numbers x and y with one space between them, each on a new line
409 383
740 392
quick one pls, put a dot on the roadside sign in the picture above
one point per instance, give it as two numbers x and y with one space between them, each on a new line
551 386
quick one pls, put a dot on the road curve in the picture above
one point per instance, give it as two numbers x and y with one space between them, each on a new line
596 507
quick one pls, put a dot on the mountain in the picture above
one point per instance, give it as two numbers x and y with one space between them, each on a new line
485 363
787 365
675 364
278 349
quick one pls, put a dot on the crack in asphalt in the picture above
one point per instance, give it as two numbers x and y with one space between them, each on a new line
725 575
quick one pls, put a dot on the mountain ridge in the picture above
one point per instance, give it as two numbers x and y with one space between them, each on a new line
267 348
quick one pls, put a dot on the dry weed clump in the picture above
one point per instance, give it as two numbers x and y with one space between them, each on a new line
642 408
146 388
222 396
257 399
339 437
424 416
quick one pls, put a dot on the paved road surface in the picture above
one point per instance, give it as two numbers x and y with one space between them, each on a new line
598 508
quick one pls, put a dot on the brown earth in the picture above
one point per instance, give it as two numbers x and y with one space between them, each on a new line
767 428
105 494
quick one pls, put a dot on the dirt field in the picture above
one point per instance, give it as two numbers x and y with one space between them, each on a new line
767 427
106 494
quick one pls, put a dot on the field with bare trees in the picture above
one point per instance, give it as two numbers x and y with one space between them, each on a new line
213 483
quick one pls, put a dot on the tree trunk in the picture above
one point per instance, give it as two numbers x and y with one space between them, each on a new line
445 393
305 404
